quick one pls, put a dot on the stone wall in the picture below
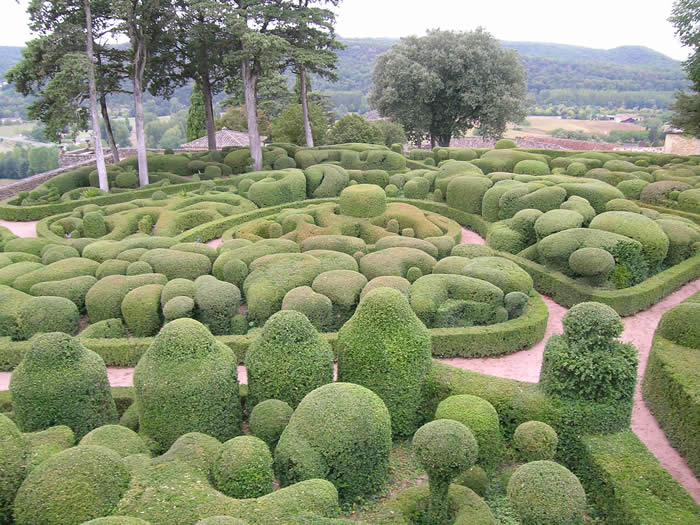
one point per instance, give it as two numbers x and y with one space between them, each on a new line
678 144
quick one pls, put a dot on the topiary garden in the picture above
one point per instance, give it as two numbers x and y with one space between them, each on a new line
350 254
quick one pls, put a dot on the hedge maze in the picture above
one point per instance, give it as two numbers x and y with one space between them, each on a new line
353 254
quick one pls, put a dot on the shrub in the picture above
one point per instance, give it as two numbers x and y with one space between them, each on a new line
445 448
576 169
74 289
316 307
392 191
287 361
48 387
104 299
186 382
340 432
395 261
107 329
141 310
243 468
681 325
622 205
177 288
546 493
658 192
63 269
139 268
278 187
47 314
587 362
515 304
362 200
177 308
474 478
505 144
325 180
337 243
175 264
121 440
56 253
505 274
481 418
557 220
217 302
595 264
343 288
73 486
240 161
111 267
268 419
13 454
466 193
632 189
682 238
211 172
417 188
535 441
531 167
580 205
386 348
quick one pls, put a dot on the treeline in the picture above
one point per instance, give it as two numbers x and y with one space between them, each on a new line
607 98
21 162
613 137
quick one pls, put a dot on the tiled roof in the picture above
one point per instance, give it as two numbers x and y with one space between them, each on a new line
224 137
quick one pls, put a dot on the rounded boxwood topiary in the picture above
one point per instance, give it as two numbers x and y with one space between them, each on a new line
445 448
117 520
74 289
481 418
315 306
73 486
576 169
475 478
56 253
505 144
138 268
387 349
362 200
593 263
546 493
177 308
141 310
224 520
48 386
127 179
515 304
121 440
535 441
107 329
94 225
268 420
591 326
392 191
13 453
243 468
187 382
681 325
47 314
340 432
217 302
531 167
177 288
288 360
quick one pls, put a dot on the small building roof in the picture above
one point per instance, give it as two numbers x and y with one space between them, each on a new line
224 137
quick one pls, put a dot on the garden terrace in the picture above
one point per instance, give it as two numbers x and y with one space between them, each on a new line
322 248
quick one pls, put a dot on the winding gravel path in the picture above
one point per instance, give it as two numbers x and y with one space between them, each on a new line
525 365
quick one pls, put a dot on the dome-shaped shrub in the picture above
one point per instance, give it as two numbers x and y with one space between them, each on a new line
13 452
121 440
681 324
217 302
47 314
475 478
445 448
362 200
505 144
315 306
591 325
73 486
531 167
60 382
288 360
535 441
481 418
546 493
243 468
187 382
138 267
340 432
268 420
177 308
141 310
387 349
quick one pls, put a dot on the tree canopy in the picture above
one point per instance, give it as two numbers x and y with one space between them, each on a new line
446 83
685 17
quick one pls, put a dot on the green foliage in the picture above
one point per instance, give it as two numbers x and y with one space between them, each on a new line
268 419
196 118
107 329
217 302
482 420
141 310
186 382
505 144
340 432
73 486
354 128
531 167
178 307
47 314
121 440
535 441
546 493
385 334
48 387
681 325
13 453
243 468
445 448
362 200
289 126
287 361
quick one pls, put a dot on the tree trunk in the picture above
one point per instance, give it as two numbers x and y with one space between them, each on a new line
209 112
250 87
99 155
433 142
139 66
108 129
444 140
305 109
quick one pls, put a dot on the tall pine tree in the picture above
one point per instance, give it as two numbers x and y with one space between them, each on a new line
196 116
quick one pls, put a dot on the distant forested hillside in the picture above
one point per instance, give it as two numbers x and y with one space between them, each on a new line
628 76
8 56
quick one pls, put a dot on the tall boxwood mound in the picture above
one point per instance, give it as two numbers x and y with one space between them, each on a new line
340 432
386 348
13 452
187 382
288 360
60 382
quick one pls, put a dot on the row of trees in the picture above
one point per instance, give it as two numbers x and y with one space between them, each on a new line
685 17
220 44
21 162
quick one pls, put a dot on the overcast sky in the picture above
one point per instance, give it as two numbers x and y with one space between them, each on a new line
602 24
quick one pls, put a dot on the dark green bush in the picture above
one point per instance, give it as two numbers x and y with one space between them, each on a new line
13 454
74 289
316 307
481 418
73 486
139 268
176 264
546 493
94 225
47 314
557 220
51 254
107 329
177 308
111 267
505 144
121 440
386 348
362 200
48 387
681 325
474 478
445 448
177 288
535 441
186 382
141 310
531 167
658 193
243 468
287 361
63 269
216 303
268 419
466 193
340 432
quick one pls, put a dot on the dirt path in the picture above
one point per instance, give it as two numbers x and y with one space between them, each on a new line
525 366
21 229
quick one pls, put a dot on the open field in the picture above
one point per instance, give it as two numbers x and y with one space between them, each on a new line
16 129
539 125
